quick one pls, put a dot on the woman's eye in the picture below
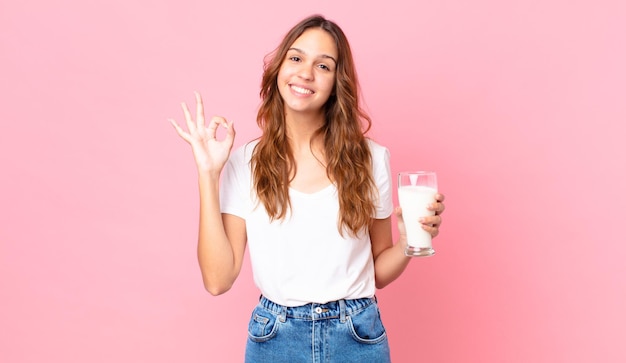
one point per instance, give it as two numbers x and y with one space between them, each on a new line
324 67
294 58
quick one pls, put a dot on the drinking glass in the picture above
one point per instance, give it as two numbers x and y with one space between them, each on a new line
416 190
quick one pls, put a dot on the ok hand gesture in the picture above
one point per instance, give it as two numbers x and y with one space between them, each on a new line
210 154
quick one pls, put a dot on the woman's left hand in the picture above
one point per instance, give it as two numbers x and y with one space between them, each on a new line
431 224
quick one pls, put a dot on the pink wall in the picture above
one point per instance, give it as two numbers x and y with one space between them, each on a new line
519 105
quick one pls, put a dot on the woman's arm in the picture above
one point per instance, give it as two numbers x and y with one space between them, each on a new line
389 258
221 238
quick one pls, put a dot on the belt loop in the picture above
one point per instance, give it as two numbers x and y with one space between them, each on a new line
342 310
283 314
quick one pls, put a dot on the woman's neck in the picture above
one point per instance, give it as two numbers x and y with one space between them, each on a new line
302 128
309 174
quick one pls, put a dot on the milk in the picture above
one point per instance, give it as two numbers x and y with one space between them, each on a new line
414 201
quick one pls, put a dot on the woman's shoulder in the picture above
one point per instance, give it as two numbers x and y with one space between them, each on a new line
243 153
376 149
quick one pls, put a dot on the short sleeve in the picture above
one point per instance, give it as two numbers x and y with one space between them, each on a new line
235 184
381 169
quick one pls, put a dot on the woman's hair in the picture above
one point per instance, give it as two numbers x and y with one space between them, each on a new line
345 147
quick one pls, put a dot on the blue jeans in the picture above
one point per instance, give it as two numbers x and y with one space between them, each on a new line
339 331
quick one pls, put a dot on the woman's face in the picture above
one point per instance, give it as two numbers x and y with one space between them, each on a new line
307 75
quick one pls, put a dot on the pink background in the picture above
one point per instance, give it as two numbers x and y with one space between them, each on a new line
518 105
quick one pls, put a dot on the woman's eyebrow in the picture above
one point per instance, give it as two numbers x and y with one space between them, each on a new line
321 55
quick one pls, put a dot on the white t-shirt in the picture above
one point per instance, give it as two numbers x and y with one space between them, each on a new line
303 258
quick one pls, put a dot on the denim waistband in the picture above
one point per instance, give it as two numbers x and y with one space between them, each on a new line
314 311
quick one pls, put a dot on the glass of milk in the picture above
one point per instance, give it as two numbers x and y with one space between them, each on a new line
416 190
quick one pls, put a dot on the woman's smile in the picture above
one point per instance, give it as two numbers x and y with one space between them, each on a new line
301 90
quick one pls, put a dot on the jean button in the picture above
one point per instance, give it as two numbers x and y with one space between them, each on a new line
318 310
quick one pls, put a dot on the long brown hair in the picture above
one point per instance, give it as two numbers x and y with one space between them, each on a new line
349 162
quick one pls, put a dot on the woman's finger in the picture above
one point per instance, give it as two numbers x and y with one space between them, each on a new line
438 208
190 123
199 111
215 122
180 131
434 221
230 133
433 230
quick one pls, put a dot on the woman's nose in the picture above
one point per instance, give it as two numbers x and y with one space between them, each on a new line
306 72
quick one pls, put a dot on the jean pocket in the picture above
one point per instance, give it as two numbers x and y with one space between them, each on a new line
366 326
263 325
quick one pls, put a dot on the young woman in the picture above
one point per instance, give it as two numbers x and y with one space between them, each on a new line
311 199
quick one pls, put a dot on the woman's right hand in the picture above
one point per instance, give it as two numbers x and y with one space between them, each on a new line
210 154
